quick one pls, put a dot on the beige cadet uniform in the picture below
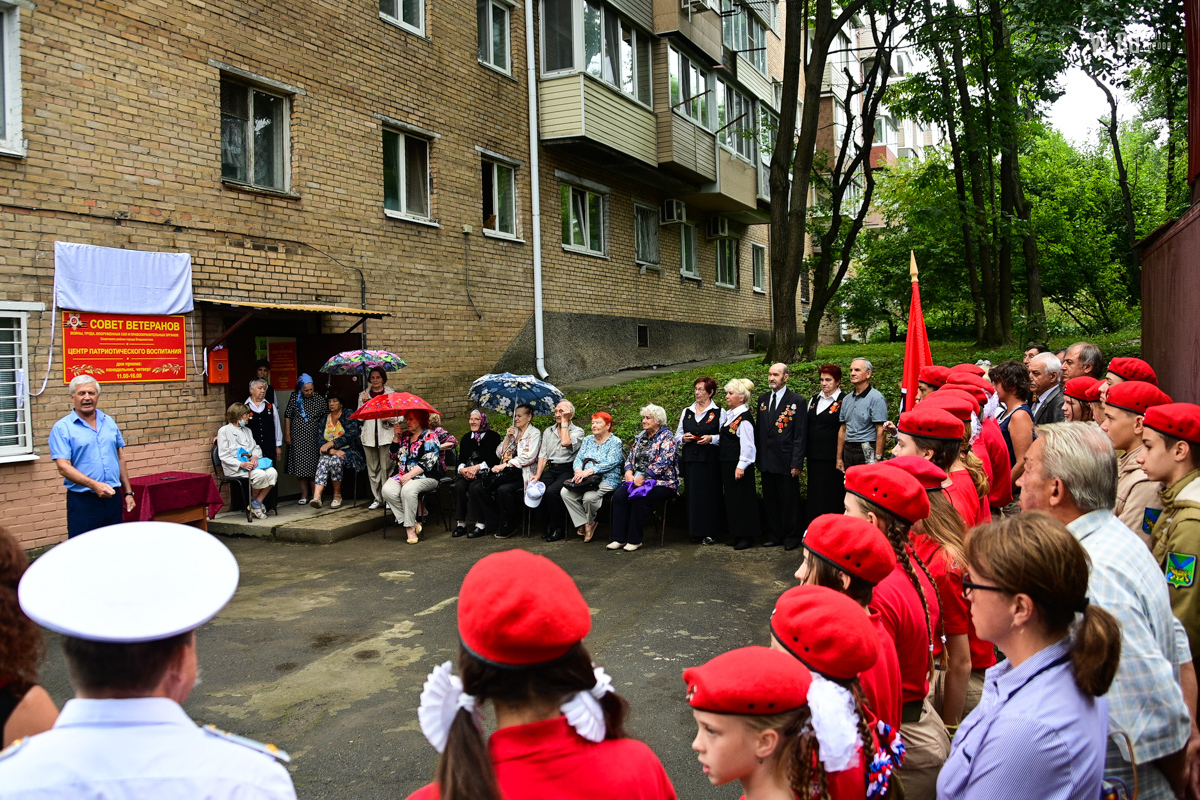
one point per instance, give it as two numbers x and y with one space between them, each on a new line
1177 549
1137 494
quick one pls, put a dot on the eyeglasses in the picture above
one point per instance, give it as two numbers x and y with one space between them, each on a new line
969 586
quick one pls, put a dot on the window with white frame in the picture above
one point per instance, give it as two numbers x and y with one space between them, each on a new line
735 120
494 34
582 220
687 248
409 14
727 254
885 131
689 88
16 432
758 258
645 235
744 34
10 80
499 198
406 174
610 47
254 136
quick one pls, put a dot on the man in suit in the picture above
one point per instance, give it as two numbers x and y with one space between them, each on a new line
1044 371
779 437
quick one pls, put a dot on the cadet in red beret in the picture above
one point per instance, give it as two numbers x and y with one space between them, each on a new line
930 379
754 725
1096 399
988 444
936 434
1076 406
1127 369
521 624
1138 503
851 556
893 500
1171 455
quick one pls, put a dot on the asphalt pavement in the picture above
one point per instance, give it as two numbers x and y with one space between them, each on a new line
323 650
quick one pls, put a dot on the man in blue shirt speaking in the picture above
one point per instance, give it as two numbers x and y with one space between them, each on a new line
86 446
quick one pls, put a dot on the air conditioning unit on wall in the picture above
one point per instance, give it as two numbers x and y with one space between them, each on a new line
718 228
672 212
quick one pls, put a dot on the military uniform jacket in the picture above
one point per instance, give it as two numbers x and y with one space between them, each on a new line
145 747
781 438
1177 548
1138 503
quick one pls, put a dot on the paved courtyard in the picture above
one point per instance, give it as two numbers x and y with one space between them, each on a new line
323 649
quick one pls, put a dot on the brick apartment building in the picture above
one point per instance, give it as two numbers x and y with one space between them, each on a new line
363 172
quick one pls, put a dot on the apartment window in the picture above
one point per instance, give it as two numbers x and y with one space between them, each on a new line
10 80
687 247
643 336
804 289
254 136
500 198
758 257
645 235
582 220
611 49
744 34
409 14
885 131
558 35
16 434
689 88
493 34
405 174
735 120
727 252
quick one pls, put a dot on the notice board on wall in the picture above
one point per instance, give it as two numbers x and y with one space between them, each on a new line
122 348
284 365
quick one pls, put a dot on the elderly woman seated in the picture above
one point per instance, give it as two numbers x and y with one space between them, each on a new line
477 455
341 448
418 468
650 476
598 462
240 456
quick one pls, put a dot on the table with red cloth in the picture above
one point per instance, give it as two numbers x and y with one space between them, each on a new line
175 497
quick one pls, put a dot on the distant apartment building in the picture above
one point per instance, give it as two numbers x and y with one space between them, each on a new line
380 174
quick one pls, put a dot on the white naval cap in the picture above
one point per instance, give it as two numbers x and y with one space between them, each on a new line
134 582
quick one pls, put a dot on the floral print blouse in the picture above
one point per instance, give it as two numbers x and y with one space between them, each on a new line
655 457
422 452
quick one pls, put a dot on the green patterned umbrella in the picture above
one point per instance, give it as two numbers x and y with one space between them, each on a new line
357 362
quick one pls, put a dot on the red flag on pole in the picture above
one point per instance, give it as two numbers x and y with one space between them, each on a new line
916 346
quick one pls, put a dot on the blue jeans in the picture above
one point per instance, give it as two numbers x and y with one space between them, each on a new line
87 511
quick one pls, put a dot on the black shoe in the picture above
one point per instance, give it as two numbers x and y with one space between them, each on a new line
709 540
475 533
770 543
506 533
461 530
743 544
792 544
556 535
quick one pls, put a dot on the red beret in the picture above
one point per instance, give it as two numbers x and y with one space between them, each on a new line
957 404
853 545
1180 420
966 379
930 475
1133 369
970 369
892 489
516 609
752 681
1135 396
1093 392
830 633
933 375
974 392
1079 387
930 423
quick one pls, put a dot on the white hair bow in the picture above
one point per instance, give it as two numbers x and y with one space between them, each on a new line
834 722
583 710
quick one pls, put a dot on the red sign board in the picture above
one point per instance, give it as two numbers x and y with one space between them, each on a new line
119 348
284 367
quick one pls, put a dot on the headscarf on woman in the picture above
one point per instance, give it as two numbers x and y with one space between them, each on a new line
303 379
484 425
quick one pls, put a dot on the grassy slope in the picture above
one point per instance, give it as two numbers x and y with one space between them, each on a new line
674 391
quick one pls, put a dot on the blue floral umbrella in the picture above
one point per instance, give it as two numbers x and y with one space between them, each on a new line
504 391
358 362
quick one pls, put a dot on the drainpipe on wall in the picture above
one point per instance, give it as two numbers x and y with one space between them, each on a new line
535 191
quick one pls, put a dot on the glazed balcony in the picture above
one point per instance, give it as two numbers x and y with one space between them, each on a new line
577 109
697 21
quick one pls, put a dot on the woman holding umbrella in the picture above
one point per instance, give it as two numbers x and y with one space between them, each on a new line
303 421
418 469
377 435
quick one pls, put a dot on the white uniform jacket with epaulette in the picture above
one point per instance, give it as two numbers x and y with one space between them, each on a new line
139 748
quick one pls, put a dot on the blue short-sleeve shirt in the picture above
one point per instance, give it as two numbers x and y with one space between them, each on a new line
92 452
861 413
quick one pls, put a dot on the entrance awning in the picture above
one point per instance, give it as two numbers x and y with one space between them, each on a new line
253 308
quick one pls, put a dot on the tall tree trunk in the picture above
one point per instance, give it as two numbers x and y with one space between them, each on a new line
1006 120
1033 264
1133 270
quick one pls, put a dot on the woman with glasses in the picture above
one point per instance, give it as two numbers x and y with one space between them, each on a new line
1027 583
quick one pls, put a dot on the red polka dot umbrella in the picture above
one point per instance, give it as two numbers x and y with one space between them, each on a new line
392 404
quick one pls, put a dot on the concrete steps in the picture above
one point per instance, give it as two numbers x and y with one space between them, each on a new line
296 523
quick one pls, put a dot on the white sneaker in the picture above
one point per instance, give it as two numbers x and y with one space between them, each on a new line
629 548
614 546
258 512
375 505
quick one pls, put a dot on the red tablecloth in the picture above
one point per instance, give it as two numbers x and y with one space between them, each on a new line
171 491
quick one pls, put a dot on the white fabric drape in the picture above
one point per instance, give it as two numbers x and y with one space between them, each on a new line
109 280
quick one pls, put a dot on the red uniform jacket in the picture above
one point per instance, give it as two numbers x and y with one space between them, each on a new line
881 683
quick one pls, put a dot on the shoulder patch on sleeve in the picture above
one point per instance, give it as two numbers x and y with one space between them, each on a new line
1149 517
1181 570
266 749
11 750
